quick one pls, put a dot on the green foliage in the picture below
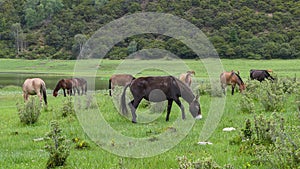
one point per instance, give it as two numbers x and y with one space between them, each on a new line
203 163
271 143
270 95
254 29
57 146
29 111
68 107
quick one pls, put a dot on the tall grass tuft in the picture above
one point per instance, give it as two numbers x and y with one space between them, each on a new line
30 111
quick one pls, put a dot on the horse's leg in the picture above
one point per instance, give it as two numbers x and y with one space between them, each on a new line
169 109
65 92
177 101
25 95
40 96
133 106
223 86
232 89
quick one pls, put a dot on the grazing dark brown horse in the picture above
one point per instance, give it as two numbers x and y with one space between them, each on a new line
79 83
119 80
187 77
34 86
260 75
231 78
157 89
65 84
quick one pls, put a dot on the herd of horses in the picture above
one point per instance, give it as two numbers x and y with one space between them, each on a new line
151 88
36 86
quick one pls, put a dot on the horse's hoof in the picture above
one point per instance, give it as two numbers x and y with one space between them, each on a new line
133 122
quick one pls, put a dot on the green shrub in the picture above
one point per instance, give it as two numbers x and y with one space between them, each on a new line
247 103
29 111
205 162
270 143
68 107
57 146
272 96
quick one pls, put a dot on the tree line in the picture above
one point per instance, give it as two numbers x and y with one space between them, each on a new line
58 29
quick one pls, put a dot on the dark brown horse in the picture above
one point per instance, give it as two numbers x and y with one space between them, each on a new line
35 86
187 77
260 75
79 83
231 78
157 89
65 84
119 80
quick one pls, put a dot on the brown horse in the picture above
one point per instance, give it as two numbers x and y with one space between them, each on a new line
65 84
35 86
79 83
119 80
231 78
187 77
260 75
157 89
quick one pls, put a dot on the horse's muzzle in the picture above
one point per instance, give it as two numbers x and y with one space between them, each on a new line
198 117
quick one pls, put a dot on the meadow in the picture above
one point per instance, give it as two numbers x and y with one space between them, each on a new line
20 150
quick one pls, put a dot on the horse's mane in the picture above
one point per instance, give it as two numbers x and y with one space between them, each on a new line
239 78
58 85
188 75
186 92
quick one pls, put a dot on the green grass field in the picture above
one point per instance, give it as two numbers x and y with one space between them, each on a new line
19 150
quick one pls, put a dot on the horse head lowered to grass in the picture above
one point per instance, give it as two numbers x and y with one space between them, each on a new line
71 85
160 88
34 86
119 80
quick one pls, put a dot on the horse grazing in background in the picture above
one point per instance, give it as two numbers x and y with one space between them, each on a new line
34 86
160 88
119 80
260 75
79 83
231 78
187 77
65 84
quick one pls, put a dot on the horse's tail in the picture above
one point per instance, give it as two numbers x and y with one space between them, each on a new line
109 86
44 93
123 100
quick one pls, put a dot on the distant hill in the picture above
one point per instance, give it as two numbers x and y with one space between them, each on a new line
57 29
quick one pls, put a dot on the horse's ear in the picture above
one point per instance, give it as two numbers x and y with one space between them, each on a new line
197 97
238 72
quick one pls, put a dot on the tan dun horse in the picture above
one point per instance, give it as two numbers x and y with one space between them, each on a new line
34 86
65 84
231 78
119 80
187 77
160 88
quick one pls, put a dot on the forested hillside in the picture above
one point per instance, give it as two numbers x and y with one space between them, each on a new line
56 29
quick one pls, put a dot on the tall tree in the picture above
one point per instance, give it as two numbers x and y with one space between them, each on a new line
18 36
80 40
37 11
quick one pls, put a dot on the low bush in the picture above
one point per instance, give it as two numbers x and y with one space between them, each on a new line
29 111
57 146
